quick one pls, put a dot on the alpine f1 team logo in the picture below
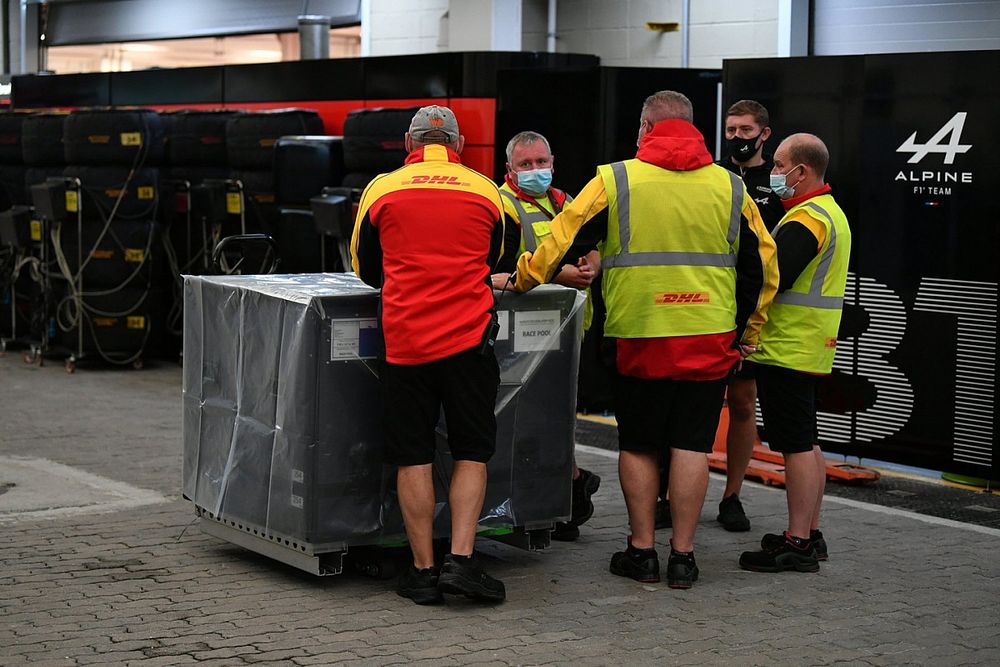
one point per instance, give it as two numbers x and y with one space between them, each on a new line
947 142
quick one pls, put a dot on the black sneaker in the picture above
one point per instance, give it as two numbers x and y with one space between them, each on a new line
663 518
643 565
462 575
815 536
421 586
777 556
565 531
584 487
682 571
731 515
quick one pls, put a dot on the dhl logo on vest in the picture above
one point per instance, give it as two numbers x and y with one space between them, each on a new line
670 298
436 180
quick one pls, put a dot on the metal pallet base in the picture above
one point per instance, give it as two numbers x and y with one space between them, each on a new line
322 565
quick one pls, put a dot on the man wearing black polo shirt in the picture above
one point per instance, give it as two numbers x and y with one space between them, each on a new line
747 128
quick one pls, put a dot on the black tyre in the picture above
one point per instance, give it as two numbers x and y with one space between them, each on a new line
299 243
303 166
11 124
42 139
250 137
262 214
358 180
102 187
13 190
114 137
197 137
128 254
373 139
122 326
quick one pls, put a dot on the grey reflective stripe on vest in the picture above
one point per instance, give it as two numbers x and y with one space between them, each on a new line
815 298
627 258
526 220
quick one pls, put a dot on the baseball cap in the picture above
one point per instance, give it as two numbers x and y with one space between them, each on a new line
432 121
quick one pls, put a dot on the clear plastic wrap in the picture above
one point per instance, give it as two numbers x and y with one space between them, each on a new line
282 432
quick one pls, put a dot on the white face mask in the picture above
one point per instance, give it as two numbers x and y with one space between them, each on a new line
779 184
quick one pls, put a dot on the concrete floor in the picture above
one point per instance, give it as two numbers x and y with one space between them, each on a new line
105 567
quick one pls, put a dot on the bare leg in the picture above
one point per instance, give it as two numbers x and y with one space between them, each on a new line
639 477
741 399
820 485
800 489
688 484
416 499
468 489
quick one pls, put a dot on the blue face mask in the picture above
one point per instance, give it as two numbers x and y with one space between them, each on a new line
535 181
780 187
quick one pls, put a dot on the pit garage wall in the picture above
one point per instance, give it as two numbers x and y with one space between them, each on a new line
915 165
589 113
467 82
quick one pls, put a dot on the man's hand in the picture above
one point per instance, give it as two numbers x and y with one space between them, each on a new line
747 350
500 280
579 276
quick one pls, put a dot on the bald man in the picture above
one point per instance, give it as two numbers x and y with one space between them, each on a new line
798 344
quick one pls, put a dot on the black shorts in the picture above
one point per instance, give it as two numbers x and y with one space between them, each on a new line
464 384
788 405
655 415
744 371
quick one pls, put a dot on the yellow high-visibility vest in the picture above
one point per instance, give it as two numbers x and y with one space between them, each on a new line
669 259
802 323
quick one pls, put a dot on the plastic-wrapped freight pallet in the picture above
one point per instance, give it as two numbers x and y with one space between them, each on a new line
282 437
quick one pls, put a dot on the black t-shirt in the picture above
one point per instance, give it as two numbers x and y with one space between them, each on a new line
758 182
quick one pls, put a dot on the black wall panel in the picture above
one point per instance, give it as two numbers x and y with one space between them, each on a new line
337 79
914 164
624 89
66 90
195 85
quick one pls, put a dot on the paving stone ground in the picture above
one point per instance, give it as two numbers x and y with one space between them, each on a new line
144 586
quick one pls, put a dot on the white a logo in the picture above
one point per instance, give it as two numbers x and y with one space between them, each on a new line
953 127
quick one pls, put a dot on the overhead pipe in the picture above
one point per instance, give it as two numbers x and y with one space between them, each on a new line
685 33
551 34
22 42
314 37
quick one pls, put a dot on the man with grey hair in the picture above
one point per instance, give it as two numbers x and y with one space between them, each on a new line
531 203
429 234
688 274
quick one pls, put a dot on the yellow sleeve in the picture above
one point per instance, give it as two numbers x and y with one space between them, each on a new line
362 210
767 254
804 218
536 268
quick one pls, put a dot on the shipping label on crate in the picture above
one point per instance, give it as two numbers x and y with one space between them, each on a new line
356 338
536 331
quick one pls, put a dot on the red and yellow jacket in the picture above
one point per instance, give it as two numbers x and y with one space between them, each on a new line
429 234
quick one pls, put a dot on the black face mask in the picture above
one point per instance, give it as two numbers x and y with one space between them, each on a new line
742 150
